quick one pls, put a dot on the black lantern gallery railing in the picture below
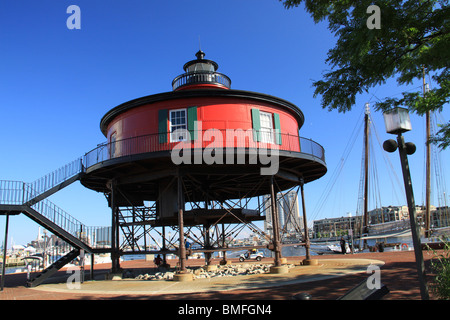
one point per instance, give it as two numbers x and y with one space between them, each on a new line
201 77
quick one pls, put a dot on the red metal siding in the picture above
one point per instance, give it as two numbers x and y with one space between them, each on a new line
214 113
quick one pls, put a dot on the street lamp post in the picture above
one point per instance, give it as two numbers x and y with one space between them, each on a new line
397 121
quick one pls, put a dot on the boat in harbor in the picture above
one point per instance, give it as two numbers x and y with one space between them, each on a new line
329 249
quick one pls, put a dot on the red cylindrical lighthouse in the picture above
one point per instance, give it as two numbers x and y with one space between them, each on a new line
202 95
214 139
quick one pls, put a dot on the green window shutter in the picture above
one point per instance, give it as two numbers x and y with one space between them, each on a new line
162 125
256 122
277 128
191 121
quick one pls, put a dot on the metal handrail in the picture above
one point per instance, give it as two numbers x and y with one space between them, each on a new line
198 77
54 178
18 193
11 192
151 143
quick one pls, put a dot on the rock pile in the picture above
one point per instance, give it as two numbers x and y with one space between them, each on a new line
156 276
231 271
204 273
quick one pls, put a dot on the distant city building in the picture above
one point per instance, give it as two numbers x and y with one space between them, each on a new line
335 227
389 214
440 217
291 224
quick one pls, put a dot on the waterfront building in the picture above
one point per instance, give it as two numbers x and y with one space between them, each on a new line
389 214
335 227
440 217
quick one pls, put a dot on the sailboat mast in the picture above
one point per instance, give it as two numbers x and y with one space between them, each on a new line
366 167
428 167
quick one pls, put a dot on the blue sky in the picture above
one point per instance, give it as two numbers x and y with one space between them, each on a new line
56 84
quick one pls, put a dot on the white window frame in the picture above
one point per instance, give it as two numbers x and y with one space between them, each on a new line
266 127
176 126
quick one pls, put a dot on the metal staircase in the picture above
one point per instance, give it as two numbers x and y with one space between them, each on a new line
18 197
53 268
69 229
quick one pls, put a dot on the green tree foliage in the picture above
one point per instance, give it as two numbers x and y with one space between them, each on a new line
413 37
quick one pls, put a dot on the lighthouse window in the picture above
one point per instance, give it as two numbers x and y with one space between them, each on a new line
266 127
201 67
178 125
112 140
